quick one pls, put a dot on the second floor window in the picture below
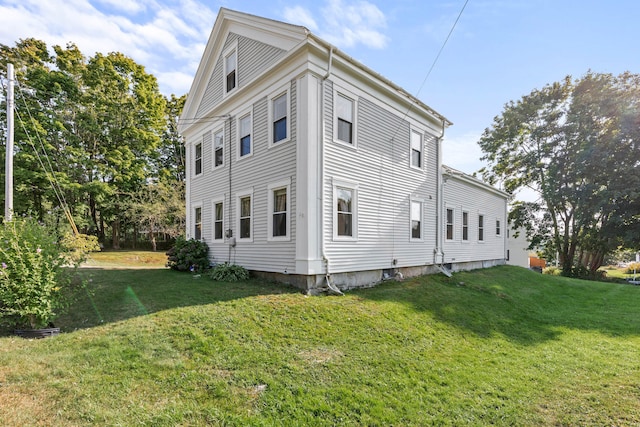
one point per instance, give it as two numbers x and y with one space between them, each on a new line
498 230
198 159
280 118
218 155
416 150
245 135
345 116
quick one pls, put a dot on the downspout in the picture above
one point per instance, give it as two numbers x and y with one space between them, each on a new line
332 288
438 252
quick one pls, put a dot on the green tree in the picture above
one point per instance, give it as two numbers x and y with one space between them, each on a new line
576 144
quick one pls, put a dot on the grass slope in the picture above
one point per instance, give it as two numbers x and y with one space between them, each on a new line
502 346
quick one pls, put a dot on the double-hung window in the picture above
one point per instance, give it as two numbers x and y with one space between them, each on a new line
278 223
345 119
231 70
280 124
197 159
197 223
344 209
218 149
244 133
480 228
416 150
449 224
218 220
416 219
498 230
244 215
465 226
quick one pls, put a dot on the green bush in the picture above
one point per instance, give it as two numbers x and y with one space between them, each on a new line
551 270
35 286
188 255
229 273
632 266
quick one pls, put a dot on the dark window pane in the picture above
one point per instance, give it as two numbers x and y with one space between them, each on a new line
219 156
245 145
415 229
198 166
415 158
231 80
344 224
449 231
345 131
279 224
280 129
218 230
245 228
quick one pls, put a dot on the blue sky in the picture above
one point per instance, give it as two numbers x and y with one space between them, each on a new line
499 51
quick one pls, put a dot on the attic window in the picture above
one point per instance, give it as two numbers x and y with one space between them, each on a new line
230 70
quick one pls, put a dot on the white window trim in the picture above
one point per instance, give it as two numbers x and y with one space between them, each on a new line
240 195
286 184
498 227
337 92
453 223
225 54
193 160
192 226
421 134
238 136
283 90
354 226
214 202
413 200
484 227
213 148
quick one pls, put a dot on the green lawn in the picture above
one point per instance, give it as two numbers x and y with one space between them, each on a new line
502 346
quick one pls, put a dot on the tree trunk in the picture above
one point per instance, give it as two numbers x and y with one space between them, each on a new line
115 234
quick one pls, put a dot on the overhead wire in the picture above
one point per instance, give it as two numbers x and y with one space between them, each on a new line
50 173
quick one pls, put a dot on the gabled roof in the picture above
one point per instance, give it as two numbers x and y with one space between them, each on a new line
284 36
472 180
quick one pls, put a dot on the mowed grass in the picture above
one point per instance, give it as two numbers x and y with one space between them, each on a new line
502 346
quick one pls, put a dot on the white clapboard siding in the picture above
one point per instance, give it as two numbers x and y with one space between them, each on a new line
462 196
253 58
385 184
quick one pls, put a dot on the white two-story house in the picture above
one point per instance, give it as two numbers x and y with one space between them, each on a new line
304 164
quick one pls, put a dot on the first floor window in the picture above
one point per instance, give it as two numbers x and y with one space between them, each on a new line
245 135
465 225
449 224
245 217
416 220
218 223
197 222
480 228
279 226
198 159
345 211
218 141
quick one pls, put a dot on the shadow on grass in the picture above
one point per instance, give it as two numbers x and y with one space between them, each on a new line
523 306
120 294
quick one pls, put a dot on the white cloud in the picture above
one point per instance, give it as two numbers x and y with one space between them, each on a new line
168 38
300 16
358 23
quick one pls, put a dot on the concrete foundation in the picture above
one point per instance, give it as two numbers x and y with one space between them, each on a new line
316 284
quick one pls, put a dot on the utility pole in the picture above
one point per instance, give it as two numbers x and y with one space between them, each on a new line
8 165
